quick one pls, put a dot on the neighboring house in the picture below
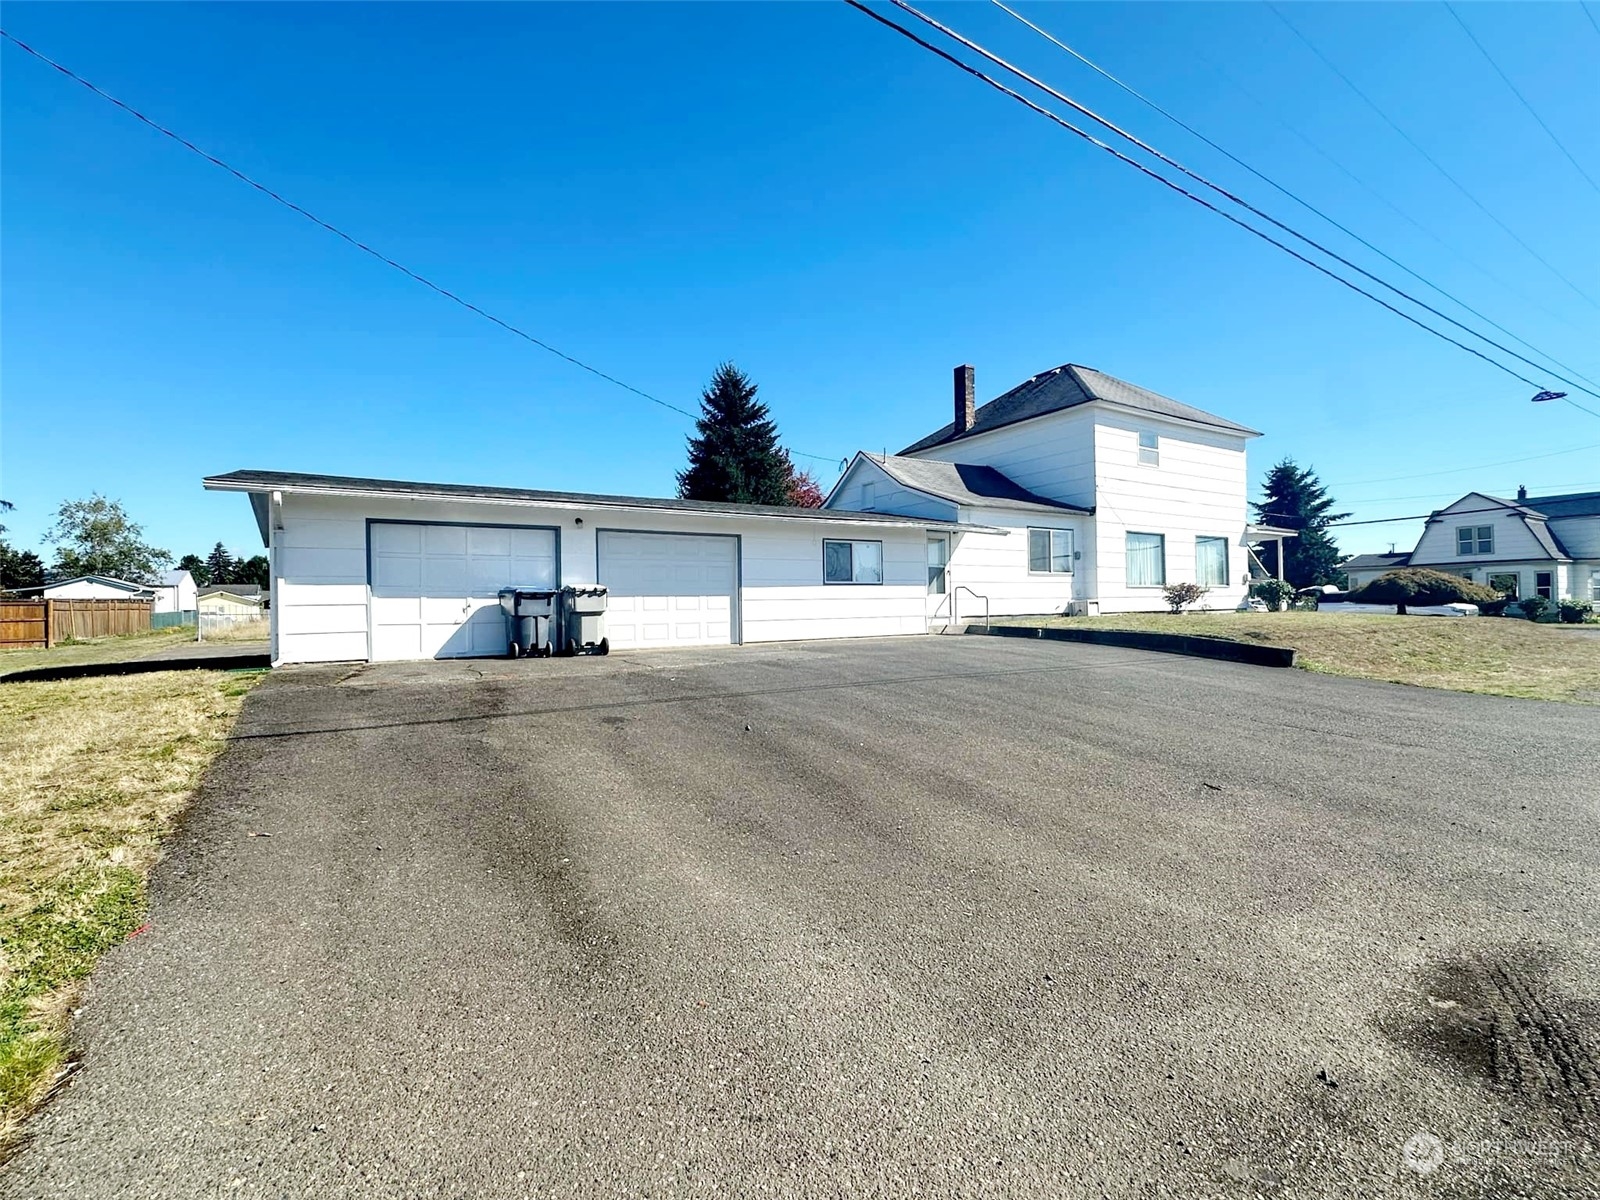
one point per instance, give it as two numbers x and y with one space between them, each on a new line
1364 568
235 600
96 587
1097 493
1072 491
1532 546
175 593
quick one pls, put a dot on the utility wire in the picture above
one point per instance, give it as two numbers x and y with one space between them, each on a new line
1427 516
1221 191
357 243
1300 200
1437 166
1584 9
1515 91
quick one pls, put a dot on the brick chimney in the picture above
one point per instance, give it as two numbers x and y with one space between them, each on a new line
966 405
1522 492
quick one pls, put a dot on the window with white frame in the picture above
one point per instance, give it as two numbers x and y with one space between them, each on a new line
1147 560
1211 561
1149 448
1594 585
1475 539
852 562
1507 583
938 563
1544 584
1049 551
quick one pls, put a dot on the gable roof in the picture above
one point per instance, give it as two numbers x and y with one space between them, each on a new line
1532 519
244 591
1368 562
965 483
175 577
120 584
1068 386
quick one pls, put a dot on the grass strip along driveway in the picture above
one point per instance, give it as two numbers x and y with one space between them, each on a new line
92 775
1495 656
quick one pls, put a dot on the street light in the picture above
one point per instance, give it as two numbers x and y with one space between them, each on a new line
1543 396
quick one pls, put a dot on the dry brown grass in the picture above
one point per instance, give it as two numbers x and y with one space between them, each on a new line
92 774
237 631
96 650
1498 656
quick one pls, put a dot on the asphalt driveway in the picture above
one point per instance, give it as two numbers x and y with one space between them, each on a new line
939 916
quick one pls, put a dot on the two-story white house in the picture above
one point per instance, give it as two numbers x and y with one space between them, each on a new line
1074 491
1094 494
1532 546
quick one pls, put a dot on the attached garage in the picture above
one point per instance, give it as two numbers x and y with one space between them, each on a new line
384 570
669 589
435 586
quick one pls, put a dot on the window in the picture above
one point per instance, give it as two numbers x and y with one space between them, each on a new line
938 561
1594 585
1149 449
1475 539
869 493
1050 551
1147 560
1507 583
852 562
1544 584
1211 561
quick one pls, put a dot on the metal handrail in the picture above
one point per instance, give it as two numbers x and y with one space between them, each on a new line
955 617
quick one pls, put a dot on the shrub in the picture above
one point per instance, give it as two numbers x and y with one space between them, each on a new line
1574 612
1534 607
1422 588
1180 595
1276 592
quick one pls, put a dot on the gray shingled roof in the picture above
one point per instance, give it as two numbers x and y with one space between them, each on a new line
1573 504
1367 562
964 483
296 481
1068 386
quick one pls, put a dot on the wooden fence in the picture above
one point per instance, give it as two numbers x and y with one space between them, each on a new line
43 623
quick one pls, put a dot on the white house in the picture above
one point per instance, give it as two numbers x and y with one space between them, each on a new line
176 593
96 587
1532 546
1098 494
1073 491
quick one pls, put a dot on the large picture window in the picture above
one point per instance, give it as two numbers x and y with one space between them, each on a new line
852 562
1507 583
1211 561
1475 539
1147 560
1050 551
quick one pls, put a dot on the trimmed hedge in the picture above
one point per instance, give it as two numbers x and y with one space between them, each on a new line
1423 588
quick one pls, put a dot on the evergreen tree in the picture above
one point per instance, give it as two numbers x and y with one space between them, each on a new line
734 454
196 566
253 570
19 568
220 565
1296 499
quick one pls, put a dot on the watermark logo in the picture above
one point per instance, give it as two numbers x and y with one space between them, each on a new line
1422 1153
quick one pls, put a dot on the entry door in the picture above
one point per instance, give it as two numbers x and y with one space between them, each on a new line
669 589
435 587
938 578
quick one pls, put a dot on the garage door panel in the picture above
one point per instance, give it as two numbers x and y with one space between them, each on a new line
669 589
434 587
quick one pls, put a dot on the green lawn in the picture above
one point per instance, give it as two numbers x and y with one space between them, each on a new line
92 774
1499 656
96 650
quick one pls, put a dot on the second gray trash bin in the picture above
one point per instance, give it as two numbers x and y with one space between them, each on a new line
583 620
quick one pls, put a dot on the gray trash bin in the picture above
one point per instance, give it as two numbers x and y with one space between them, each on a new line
583 621
529 612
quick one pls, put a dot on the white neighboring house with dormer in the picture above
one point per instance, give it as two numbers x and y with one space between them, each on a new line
1082 493
1545 546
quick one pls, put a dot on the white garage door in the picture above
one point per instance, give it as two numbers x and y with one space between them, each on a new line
669 589
435 587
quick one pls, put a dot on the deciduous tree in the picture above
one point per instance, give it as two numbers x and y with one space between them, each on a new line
96 537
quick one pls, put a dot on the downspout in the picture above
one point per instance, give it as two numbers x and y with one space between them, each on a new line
274 528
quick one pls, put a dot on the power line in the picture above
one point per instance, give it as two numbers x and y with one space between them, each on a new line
1427 516
1017 71
1515 91
1584 9
358 244
1415 145
1304 203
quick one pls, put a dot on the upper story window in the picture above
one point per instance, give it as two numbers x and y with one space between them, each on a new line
852 562
1149 448
1475 539
1050 551
869 494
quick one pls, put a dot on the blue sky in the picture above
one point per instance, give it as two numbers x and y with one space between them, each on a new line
656 188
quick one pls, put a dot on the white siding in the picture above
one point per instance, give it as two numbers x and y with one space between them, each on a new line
88 589
319 557
1052 455
1198 489
1512 540
995 565
867 487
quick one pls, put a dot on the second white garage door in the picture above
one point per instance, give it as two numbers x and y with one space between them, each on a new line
669 589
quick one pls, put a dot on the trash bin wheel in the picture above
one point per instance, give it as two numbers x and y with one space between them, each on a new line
512 652
569 649
604 647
